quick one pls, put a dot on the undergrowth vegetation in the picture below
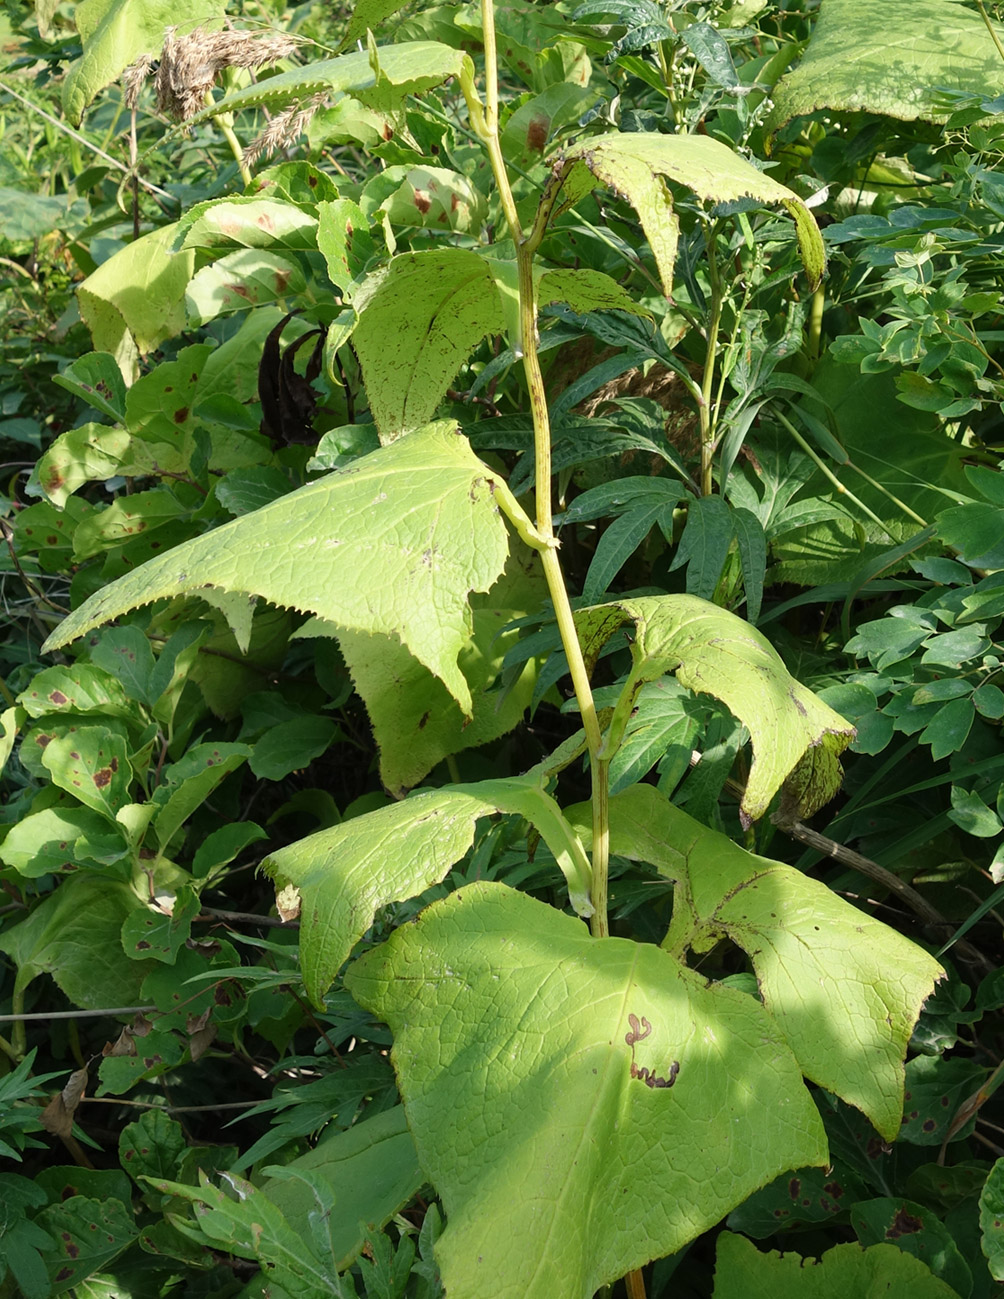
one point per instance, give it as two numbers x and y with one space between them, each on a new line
503 663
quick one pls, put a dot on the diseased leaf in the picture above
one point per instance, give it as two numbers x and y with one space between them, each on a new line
599 1072
917 1231
817 958
240 280
634 164
891 59
92 764
714 652
395 542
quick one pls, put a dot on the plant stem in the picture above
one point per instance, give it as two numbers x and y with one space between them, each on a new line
816 324
526 347
222 122
827 473
990 27
714 320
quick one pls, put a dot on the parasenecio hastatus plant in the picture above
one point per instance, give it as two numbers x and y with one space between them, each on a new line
582 1103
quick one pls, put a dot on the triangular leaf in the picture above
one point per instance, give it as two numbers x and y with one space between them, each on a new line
715 652
420 317
592 1099
395 542
633 164
347 873
818 960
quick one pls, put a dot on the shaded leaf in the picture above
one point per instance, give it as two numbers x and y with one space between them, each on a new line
346 873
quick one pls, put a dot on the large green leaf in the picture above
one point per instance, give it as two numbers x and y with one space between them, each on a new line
415 722
74 935
391 545
634 164
843 988
370 1169
591 1099
891 58
715 652
846 1271
345 874
115 32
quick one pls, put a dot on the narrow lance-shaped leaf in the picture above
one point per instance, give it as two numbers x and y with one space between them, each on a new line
844 989
391 544
347 873
635 164
717 653
591 1099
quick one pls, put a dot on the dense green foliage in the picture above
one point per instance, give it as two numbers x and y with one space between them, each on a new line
504 624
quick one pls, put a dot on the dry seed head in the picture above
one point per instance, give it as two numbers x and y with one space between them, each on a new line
189 65
134 78
283 130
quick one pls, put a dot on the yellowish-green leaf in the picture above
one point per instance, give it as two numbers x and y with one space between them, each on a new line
715 652
392 545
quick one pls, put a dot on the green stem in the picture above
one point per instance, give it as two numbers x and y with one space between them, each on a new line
816 325
990 27
825 470
705 410
526 345
8 1049
222 122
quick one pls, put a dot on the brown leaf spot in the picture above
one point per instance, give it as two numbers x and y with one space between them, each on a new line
181 414
422 201
536 133
903 1224
57 697
103 777
794 1188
